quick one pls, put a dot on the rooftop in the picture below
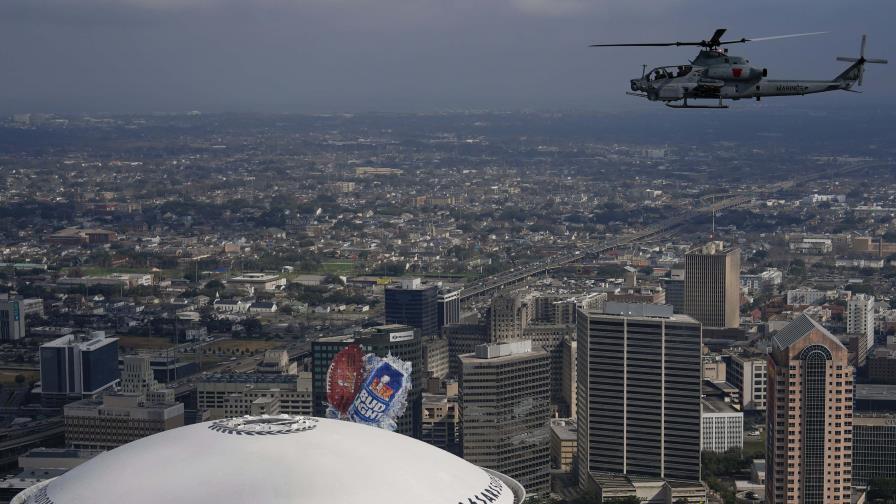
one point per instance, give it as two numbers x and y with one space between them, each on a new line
83 341
564 428
796 329
249 378
716 406
875 391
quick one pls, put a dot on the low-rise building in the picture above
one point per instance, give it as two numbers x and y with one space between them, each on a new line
118 419
441 419
141 408
258 281
563 444
721 427
750 375
277 362
805 296
237 394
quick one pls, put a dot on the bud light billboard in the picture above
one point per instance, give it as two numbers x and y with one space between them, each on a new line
367 388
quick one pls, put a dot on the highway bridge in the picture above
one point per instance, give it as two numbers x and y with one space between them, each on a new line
502 280
720 201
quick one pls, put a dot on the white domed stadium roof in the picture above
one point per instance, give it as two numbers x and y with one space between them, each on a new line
276 459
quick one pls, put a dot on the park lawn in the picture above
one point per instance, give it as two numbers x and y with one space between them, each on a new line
338 267
8 376
143 342
102 271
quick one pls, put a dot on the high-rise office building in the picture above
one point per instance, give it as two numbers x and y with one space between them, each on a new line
414 304
448 304
674 286
749 374
463 339
504 394
561 308
12 318
76 366
508 315
712 285
401 341
568 379
860 322
874 447
639 387
810 409
435 357
550 337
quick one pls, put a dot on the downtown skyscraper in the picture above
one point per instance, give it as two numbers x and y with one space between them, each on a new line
712 285
639 387
810 409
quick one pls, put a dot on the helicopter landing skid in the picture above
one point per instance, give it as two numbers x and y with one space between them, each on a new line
697 106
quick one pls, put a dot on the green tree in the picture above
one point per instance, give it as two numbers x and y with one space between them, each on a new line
214 284
253 327
631 499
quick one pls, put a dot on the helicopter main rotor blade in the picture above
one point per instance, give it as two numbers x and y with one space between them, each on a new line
665 44
774 37
713 42
716 38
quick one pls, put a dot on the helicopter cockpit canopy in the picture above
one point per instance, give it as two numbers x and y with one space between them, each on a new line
668 72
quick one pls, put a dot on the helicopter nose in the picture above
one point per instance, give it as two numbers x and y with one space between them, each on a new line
635 85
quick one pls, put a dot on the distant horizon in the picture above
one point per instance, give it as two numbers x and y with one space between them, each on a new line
796 104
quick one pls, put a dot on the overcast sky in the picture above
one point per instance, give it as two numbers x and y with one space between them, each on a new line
402 55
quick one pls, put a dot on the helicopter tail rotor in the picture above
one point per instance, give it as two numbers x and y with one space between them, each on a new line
856 71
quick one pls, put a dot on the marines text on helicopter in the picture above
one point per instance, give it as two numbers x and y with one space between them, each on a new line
714 74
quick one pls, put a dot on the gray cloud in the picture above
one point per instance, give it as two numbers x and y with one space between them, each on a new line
325 55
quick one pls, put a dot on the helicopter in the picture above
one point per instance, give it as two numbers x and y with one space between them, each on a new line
716 75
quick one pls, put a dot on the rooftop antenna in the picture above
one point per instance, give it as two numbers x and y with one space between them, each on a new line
712 235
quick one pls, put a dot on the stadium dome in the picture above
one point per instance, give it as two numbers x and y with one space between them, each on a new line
276 459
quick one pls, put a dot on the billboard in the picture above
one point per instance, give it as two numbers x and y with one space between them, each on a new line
366 388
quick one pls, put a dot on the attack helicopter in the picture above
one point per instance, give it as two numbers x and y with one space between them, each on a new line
715 74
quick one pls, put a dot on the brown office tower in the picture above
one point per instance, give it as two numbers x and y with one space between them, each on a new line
712 285
809 443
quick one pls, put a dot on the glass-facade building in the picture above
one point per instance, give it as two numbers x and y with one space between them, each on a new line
76 366
873 447
639 388
415 305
